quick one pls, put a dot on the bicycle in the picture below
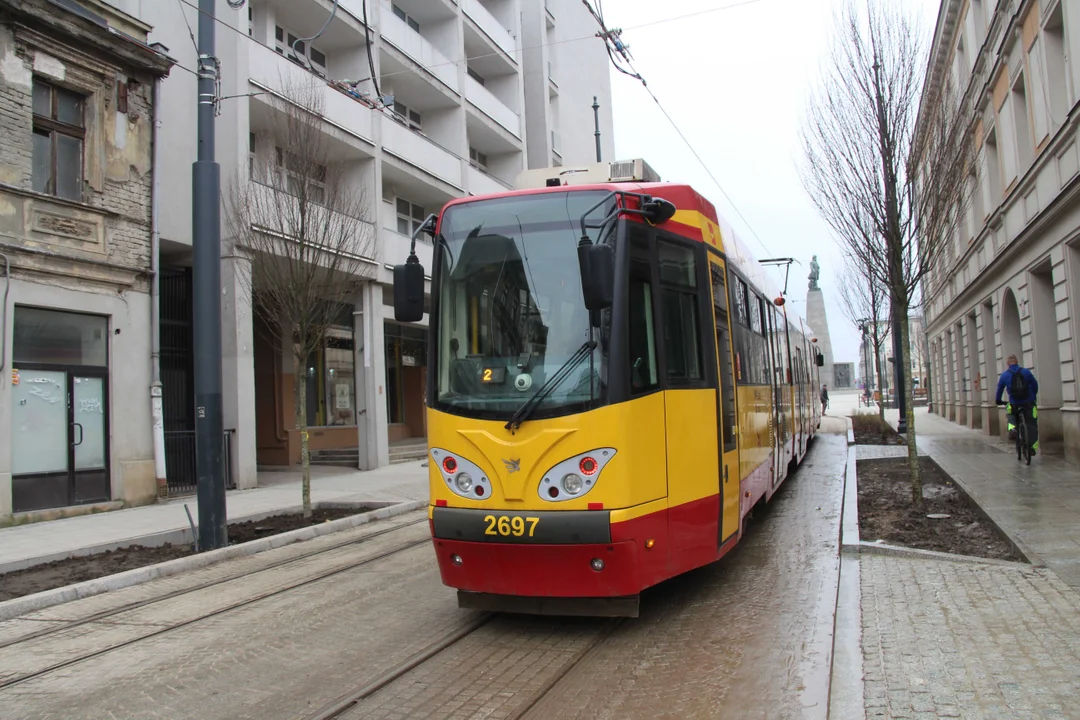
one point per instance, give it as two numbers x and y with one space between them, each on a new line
1023 447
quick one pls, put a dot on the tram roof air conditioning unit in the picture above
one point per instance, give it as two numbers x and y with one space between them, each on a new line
592 174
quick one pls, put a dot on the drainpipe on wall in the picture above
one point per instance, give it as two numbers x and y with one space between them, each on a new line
156 411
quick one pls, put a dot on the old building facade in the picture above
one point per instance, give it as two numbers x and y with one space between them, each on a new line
76 127
1010 281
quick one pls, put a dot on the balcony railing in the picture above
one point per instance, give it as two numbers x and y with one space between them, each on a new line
492 106
418 150
417 47
481 183
491 27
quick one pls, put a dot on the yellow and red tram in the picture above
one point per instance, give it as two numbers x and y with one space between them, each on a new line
613 384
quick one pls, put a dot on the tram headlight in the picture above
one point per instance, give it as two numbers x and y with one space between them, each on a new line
575 476
463 482
571 483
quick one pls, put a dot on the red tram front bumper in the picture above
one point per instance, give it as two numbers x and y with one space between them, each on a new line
539 570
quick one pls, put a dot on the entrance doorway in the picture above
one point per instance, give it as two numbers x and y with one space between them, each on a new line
60 420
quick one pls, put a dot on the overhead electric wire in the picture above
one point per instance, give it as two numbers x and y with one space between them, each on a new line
622 50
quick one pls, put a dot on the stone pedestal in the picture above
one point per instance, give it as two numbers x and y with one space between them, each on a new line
819 325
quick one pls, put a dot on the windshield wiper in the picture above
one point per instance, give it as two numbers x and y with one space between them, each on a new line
522 413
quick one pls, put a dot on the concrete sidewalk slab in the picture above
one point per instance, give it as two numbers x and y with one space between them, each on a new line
24 546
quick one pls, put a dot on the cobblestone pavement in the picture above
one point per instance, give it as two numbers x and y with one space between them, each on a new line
749 637
976 641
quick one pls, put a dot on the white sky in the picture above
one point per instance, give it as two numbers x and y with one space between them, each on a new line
735 81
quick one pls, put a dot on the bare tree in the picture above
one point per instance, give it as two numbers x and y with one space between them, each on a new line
886 164
302 216
864 302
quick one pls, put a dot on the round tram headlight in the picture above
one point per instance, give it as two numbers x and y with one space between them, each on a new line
463 482
571 483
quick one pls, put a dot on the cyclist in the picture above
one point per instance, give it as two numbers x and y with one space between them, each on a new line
1023 390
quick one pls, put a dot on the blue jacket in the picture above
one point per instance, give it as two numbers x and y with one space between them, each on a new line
1005 383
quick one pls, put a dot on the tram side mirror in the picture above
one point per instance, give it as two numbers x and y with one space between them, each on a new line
597 264
820 360
409 291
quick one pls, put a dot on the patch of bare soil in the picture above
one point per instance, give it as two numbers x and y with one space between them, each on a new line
886 512
872 430
79 569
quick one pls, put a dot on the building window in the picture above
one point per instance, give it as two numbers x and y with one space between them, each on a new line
303 179
477 159
251 155
406 357
330 377
59 131
251 20
474 75
1024 142
409 216
286 43
1053 43
405 116
405 17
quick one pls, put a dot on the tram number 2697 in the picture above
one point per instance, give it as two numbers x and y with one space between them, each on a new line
506 525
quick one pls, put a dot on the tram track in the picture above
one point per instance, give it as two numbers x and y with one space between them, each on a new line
180 592
343 706
318 577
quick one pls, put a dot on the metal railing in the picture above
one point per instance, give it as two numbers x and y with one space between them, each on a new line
180 465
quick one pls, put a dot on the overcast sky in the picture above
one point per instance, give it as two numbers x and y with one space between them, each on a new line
736 81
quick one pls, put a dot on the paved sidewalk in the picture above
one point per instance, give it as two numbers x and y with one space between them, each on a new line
277 491
962 640
1038 506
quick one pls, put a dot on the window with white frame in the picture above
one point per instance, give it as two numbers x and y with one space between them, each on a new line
1024 143
1040 102
405 17
409 216
477 159
1007 140
1056 86
288 43
306 180
407 116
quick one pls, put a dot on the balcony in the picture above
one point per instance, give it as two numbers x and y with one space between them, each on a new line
489 25
492 106
480 183
414 45
272 73
417 150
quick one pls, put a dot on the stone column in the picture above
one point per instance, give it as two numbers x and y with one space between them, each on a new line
238 366
371 419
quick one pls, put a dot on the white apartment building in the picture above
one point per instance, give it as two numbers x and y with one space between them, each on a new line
481 90
1010 282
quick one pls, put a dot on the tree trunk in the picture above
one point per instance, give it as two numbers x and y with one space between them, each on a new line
301 423
881 392
913 454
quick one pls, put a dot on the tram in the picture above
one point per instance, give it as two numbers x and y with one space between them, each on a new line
613 384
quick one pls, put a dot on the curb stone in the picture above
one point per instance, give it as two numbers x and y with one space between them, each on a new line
39 601
847 689
180 536
878 548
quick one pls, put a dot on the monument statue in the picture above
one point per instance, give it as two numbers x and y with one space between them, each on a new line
815 273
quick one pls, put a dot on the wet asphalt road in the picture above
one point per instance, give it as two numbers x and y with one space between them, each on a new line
749 637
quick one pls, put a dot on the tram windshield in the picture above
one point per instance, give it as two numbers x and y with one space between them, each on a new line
510 307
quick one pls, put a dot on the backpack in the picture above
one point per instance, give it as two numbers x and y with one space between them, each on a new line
1018 387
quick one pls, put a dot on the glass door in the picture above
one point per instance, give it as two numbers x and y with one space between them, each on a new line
87 435
40 448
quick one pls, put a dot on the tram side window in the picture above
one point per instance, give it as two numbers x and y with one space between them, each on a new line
678 296
643 373
723 349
